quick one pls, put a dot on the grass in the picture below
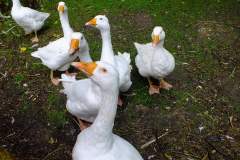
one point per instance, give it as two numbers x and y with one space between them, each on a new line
57 118
19 78
202 35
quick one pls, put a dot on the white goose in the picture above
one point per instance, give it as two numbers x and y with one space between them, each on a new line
30 20
59 54
63 14
83 98
68 31
120 61
98 142
153 60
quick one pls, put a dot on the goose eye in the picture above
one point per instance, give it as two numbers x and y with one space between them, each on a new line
101 18
81 38
104 70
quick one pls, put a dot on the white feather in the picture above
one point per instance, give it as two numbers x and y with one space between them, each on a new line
55 55
83 97
30 20
156 62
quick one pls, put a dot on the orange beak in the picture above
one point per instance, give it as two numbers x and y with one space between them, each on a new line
86 67
74 46
61 8
155 40
92 22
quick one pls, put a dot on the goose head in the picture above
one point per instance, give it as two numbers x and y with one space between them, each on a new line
100 21
62 7
77 43
102 73
158 35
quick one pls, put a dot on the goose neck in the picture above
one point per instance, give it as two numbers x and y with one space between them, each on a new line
103 124
67 30
16 3
84 54
107 50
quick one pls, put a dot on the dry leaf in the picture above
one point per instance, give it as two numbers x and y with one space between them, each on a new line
23 49
205 157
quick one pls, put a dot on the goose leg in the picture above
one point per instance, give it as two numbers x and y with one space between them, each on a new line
55 81
120 101
35 39
165 85
153 89
83 125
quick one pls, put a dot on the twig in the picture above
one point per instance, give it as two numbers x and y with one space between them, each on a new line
76 122
217 150
185 154
12 134
152 141
194 98
34 75
4 75
4 17
6 32
232 73
54 151
231 121
128 94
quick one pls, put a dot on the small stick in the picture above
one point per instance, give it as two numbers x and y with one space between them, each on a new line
76 122
6 32
4 17
231 121
4 75
54 151
232 73
34 75
185 154
226 156
152 141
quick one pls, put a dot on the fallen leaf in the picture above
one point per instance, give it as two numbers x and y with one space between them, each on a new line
231 121
12 120
169 157
23 49
51 141
205 157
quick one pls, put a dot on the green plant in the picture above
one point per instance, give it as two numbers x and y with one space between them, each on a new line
57 118
19 78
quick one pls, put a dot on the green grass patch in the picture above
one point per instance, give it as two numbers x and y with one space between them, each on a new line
57 118
19 78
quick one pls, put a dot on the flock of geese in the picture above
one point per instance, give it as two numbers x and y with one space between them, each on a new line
94 100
